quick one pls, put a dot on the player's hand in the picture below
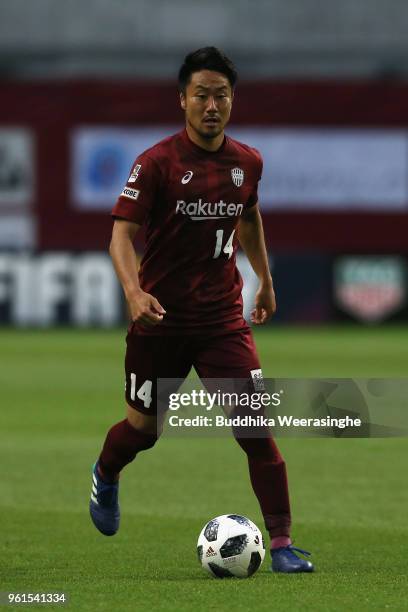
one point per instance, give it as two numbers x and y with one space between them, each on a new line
146 310
265 305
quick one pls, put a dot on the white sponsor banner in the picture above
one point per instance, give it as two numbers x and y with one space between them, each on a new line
18 231
16 167
332 168
250 287
55 288
306 169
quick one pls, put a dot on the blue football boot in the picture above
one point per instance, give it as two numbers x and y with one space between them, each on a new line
104 507
284 560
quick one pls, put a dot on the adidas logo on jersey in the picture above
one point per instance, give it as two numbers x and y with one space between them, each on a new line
208 210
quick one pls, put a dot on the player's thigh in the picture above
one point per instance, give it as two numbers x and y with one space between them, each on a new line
231 355
229 364
149 424
149 359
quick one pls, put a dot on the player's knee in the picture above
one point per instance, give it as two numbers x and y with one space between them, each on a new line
148 426
146 440
141 440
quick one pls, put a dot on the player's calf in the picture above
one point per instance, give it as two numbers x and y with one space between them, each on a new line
121 446
123 442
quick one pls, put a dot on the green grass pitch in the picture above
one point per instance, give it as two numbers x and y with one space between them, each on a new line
61 390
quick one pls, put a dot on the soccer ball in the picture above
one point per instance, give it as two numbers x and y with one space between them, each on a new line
230 545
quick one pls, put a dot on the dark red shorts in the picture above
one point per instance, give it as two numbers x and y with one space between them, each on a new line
230 356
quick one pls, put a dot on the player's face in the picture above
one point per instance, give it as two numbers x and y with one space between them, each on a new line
207 103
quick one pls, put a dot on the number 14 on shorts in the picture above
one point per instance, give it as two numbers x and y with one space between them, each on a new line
144 393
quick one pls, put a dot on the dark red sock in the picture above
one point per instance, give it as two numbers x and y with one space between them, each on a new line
121 446
267 471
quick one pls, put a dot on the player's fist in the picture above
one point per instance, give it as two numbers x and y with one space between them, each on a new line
145 309
265 305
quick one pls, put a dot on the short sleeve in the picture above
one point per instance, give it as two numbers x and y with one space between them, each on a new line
139 193
258 166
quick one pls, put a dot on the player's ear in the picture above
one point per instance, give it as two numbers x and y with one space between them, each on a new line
182 100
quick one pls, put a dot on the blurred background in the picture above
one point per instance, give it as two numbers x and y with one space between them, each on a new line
323 94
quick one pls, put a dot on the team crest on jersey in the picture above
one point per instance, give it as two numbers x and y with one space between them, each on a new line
135 173
237 176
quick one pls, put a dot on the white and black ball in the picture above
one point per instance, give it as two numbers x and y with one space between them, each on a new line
230 545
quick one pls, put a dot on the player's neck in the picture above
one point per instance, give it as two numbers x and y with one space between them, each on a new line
208 144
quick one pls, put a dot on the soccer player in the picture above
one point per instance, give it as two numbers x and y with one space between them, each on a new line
196 193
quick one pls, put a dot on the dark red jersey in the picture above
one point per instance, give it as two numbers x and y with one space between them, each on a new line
191 201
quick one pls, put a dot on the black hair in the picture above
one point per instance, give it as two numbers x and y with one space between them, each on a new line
206 58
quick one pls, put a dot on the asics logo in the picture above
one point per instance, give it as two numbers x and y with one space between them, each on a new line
187 177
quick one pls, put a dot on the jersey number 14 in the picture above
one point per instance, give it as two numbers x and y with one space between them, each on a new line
228 248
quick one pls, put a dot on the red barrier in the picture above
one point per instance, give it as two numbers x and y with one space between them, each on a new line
52 109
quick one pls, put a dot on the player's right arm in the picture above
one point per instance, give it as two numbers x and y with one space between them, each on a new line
144 308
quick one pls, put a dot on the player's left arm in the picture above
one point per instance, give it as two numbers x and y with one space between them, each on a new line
252 240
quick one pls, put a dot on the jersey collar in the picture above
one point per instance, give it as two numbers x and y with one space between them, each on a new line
199 150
